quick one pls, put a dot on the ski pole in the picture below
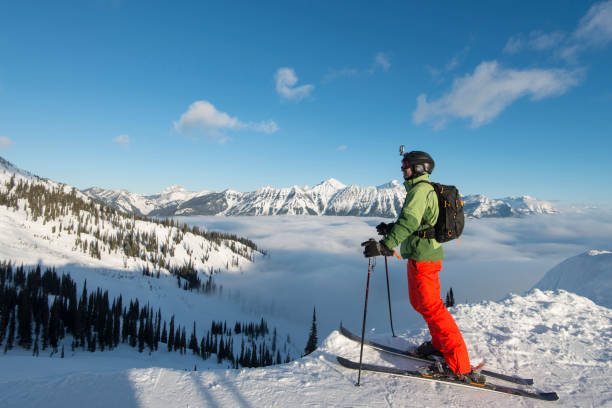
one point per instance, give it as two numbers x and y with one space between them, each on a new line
389 297
365 312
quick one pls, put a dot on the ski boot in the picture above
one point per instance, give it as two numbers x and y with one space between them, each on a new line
428 351
474 376
441 370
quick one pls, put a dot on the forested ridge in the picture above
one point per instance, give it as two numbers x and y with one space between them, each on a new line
98 229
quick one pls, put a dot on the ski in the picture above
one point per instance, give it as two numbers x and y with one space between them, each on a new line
544 396
407 354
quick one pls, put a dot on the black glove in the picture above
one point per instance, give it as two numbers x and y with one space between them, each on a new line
373 248
384 229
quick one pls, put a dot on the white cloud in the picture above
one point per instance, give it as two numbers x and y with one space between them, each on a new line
202 114
537 41
5 142
483 95
514 44
595 28
123 140
594 31
342 148
543 41
202 117
496 256
286 79
339 73
454 62
382 60
265 127
570 52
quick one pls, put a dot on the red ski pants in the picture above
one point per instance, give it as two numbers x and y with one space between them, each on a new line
424 291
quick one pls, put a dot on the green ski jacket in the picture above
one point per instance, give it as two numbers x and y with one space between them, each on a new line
421 204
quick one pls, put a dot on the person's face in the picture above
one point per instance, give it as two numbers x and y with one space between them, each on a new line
406 170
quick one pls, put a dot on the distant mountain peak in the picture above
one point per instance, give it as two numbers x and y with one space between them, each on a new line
174 189
332 182
391 184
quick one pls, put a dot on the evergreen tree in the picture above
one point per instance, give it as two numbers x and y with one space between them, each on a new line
183 341
158 328
11 333
150 333
177 339
36 351
203 348
274 341
220 351
108 332
141 335
193 341
171 335
92 343
24 317
311 345
164 335
450 298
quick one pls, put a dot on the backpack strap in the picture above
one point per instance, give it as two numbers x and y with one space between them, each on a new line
427 233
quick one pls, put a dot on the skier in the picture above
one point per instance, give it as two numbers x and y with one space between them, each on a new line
419 212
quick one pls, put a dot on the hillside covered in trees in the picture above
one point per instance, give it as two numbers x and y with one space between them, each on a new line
43 312
63 218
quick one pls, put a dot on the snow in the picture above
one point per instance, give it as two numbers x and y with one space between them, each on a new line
330 197
560 339
391 184
141 204
333 183
588 274
25 241
479 206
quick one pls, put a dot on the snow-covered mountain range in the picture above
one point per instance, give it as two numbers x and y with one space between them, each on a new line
330 197
588 274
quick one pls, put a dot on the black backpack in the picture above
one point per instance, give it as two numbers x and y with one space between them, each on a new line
450 218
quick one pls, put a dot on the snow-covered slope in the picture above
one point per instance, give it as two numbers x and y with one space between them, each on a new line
588 274
9 171
53 225
53 222
330 197
558 338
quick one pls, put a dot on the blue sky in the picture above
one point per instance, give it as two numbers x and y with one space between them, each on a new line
510 98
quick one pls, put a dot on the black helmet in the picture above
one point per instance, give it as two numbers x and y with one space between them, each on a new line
419 162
